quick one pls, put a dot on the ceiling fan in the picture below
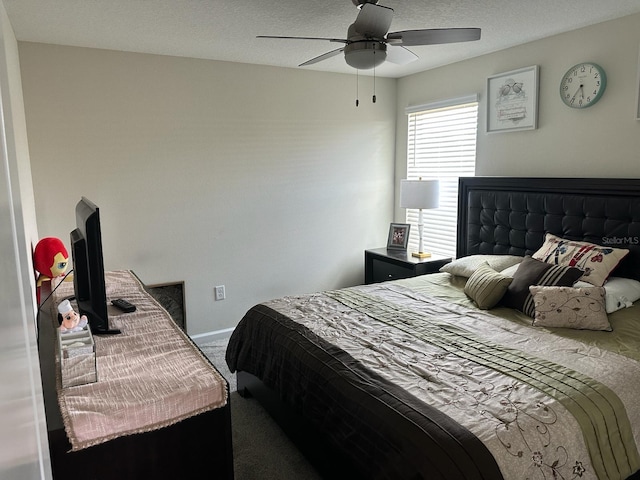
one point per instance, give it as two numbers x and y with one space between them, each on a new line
368 43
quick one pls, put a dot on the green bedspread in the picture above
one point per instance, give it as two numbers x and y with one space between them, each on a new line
599 412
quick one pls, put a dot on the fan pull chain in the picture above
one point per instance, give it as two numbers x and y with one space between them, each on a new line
374 79
357 90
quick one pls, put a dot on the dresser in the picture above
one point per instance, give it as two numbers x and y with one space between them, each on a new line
159 409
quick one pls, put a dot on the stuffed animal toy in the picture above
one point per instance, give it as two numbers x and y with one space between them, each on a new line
50 260
71 321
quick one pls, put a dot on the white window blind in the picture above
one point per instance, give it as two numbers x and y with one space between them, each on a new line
441 145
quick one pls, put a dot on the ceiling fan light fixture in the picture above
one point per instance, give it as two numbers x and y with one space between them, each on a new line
365 55
359 3
368 37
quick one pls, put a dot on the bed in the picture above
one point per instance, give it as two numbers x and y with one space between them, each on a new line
469 373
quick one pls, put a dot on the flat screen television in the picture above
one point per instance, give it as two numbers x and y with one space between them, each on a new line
88 267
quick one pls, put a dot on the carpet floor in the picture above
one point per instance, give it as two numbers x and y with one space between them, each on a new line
261 450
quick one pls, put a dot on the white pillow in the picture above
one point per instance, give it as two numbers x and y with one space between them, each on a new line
465 266
511 271
619 292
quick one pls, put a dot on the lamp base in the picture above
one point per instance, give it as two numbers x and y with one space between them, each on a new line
421 254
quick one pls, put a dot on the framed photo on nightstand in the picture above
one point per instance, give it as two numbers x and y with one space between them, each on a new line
398 236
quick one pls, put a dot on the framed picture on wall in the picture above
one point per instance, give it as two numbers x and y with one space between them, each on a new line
398 236
512 100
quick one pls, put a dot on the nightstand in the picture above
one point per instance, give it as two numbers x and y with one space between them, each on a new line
381 265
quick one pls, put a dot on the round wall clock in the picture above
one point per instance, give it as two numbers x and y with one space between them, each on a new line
583 85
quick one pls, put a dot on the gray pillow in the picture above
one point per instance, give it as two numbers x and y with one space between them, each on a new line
486 287
534 272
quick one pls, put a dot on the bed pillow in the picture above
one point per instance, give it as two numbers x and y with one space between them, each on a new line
465 266
511 271
534 272
570 307
619 292
486 287
597 261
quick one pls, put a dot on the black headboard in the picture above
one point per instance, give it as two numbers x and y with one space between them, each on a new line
507 215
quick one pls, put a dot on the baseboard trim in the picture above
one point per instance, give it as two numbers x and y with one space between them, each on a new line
202 338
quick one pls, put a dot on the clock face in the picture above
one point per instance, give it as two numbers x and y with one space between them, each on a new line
583 85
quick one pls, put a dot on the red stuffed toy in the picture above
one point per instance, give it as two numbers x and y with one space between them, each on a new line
50 259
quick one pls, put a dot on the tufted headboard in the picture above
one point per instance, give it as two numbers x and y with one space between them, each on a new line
508 215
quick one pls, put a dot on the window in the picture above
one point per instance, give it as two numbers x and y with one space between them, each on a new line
441 144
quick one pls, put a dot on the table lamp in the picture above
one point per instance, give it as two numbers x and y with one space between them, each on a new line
419 194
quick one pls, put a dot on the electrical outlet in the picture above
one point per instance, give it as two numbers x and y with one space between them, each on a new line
219 291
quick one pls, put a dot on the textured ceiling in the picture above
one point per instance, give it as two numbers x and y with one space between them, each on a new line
226 29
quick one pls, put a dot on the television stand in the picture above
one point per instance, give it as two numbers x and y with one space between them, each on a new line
139 420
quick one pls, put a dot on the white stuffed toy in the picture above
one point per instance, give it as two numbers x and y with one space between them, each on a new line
71 321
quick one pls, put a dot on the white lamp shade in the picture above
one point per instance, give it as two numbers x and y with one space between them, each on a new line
419 194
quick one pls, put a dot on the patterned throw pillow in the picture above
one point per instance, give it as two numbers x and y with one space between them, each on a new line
486 287
534 272
570 307
596 261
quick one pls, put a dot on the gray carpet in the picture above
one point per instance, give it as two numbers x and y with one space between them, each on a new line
261 450
215 352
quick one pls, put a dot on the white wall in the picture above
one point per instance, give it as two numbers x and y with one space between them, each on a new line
600 141
269 180
266 180
23 436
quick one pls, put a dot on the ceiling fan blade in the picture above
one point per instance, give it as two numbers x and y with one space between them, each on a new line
373 20
322 57
336 40
433 36
399 55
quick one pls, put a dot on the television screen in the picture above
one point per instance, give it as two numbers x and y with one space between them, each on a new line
88 267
